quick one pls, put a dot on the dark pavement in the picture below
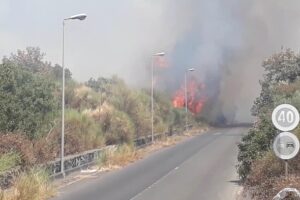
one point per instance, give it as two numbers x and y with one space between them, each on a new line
200 168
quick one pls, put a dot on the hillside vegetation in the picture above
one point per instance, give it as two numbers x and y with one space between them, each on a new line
100 112
261 171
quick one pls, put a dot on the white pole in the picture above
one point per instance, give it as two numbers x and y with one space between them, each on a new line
63 105
286 169
186 107
152 106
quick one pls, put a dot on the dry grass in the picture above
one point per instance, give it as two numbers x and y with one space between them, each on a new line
118 157
33 185
270 187
267 177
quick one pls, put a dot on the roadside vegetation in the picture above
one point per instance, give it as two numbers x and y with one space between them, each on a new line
32 185
261 171
99 112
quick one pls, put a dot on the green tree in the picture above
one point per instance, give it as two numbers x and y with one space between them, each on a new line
283 67
26 101
32 60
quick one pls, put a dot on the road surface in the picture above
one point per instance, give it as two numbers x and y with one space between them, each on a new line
200 168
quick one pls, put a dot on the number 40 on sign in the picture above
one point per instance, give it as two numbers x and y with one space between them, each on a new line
285 117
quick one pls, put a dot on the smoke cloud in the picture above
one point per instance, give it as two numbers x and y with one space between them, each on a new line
227 41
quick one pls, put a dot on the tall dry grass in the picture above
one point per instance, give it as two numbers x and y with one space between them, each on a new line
120 156
33 185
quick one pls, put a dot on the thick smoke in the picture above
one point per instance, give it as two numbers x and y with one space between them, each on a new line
226 41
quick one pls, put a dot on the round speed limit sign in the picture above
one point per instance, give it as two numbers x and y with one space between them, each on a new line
285 117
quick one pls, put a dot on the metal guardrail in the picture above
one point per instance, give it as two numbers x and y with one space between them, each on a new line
78 161
81 160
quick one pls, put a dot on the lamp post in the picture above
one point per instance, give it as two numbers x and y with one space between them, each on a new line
152 91
74 17
185 95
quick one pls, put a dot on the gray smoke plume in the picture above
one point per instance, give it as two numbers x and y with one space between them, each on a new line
227 41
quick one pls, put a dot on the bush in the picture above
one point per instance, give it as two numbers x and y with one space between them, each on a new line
82 133
267 178
46 150
81 97
17 143
265 168
140 113
121 129
26 101
9 160
255 144
135 103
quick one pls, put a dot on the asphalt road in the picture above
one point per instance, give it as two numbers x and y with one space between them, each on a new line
200 168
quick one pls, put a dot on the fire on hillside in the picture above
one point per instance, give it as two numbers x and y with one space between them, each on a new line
195 96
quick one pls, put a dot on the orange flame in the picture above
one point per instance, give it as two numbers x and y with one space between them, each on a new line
195 99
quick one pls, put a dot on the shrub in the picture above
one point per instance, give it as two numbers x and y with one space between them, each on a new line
9 160
81 97
265 168
45 150
140 113
255 144
26 101
81 133
17 143
121 129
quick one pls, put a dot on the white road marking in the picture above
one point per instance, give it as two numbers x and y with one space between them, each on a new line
218 133
149 187
162 178
165 176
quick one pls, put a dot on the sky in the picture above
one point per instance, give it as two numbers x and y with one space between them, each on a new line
115 37
226 41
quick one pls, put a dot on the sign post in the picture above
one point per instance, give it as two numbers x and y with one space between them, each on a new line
286 145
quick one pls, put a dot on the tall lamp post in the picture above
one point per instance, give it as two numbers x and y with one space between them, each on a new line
74 17
152 91
185 95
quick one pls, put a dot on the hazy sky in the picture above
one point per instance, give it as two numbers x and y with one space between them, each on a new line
117 37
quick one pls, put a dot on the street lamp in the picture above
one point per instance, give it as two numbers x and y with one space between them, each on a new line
185 95
74 17
152 91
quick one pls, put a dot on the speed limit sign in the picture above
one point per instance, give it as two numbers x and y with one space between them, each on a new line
285 117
